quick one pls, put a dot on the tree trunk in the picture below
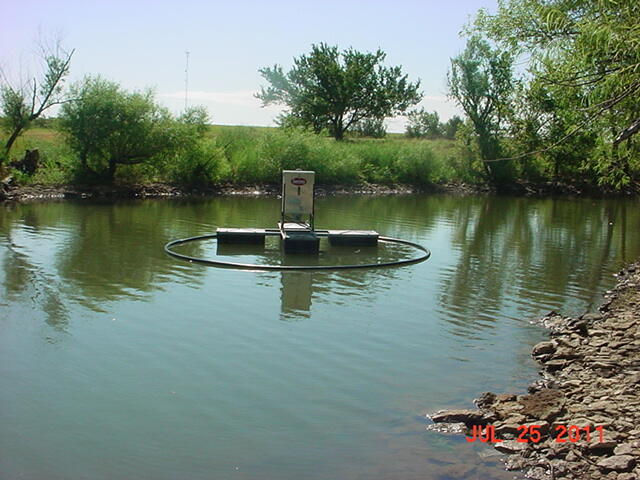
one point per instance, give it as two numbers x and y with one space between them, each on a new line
9 144
487 151
338 128
111 171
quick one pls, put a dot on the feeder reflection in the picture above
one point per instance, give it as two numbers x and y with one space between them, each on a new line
295 295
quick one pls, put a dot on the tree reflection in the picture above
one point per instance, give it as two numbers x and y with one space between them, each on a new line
30 282
116 251
513 255
544 251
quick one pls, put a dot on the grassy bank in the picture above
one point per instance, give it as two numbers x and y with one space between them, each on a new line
238 156
256 155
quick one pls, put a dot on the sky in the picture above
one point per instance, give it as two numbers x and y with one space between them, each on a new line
142 44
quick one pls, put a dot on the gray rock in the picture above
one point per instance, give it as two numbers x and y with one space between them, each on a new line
515 418
485 400
543 348
617 463
511 446
514 463
546 404
627 476
623 449
468 417
572 457
566 352
508 428
555 365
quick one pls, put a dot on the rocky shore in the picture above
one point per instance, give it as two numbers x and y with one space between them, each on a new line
581 419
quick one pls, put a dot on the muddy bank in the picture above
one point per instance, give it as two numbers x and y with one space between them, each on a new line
159 190
10 192
581 419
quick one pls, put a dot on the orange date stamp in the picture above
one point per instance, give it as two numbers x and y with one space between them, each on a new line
533 434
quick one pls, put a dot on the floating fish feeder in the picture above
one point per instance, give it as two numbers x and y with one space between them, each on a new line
297 232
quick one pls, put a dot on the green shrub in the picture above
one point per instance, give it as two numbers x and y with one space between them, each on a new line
416 164
201 164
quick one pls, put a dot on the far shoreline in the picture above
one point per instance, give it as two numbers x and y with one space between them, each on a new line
43 193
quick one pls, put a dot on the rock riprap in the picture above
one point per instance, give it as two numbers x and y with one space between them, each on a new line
581 419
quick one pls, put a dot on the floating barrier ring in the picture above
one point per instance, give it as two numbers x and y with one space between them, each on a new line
424 255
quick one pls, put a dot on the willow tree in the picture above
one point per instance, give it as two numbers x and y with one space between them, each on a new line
481 82
586 53
336 90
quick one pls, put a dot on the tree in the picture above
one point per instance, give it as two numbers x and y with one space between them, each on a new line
23 104
329 89
370 127
588 51
481 82
421 124
450 127
108 126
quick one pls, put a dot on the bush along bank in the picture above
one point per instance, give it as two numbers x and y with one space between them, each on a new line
581 419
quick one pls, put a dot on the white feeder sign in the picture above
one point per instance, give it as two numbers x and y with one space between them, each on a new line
297 192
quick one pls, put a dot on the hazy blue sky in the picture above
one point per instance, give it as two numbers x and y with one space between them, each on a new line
143 43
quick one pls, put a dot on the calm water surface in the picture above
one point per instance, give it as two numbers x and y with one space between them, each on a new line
118 361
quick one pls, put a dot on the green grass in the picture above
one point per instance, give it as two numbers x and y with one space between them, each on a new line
256 155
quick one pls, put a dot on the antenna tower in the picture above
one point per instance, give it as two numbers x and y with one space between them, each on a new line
186 82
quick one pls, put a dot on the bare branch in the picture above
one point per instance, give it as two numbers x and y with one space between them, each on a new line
628 132
59 74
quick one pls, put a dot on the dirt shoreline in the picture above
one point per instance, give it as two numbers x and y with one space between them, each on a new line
29 193
161 190
589 386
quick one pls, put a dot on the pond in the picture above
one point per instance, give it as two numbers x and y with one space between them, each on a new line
119 361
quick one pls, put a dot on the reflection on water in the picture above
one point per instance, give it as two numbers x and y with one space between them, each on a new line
295 295
119 360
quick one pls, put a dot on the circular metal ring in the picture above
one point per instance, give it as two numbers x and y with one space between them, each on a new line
251 266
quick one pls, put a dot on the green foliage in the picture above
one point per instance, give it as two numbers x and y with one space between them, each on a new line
585 55
203 164
417 165
423 124
481 82
292 150
334 90
450 127
253 156
15 110
466 161
196 119
370 127
107 126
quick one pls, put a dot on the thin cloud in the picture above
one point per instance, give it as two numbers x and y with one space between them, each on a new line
244 98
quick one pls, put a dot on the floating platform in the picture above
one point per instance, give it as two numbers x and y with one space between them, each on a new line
359 238
300 242
298 237
254 236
